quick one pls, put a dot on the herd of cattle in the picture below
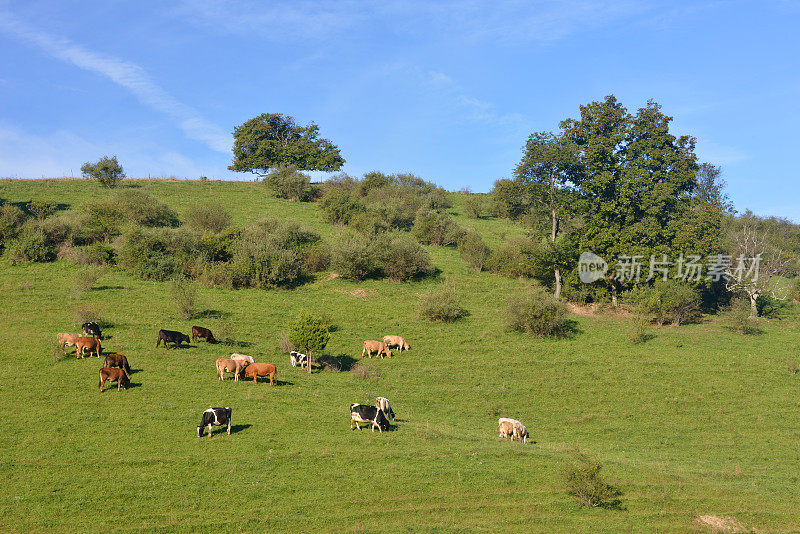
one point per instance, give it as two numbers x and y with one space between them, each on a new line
117 369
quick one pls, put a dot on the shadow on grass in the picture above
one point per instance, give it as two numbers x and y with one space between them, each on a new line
238 428
340 362
103 288
283 383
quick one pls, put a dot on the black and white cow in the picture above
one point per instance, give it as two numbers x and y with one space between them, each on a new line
91 329
361 413
217 417
297 358
385 406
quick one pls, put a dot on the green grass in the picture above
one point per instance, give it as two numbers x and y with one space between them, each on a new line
699 420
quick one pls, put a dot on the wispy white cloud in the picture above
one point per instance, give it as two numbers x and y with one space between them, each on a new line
125 74
718 154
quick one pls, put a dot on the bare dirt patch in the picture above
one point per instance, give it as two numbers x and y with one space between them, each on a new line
362 294
721 524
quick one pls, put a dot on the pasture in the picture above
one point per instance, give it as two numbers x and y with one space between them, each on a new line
699 420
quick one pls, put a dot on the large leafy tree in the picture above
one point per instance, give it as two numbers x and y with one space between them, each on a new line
309 335
635 178
274 140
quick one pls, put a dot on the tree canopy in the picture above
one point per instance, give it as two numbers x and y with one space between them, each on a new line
274 140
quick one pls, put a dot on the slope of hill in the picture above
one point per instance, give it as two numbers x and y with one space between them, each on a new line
697 421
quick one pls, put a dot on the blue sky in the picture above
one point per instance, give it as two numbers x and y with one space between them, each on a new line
447 90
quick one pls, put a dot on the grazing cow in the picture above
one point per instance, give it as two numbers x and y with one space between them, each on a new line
385 406
245 359
217 417
118 360
67 340
109 374
260 369
172 337
230 366
396 341
297 358
203 333
91 343
378 347
91 329
513 429
361 413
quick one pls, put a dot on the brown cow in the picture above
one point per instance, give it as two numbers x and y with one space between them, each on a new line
203 333
260 369
118 360
377 347
91 343
67 339
230 366
109 374
505 428
396 341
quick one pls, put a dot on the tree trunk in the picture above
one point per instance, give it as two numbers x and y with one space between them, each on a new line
753 304
309 362
556 270
557 273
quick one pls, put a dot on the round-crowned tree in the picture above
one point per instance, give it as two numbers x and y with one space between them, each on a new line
106 170
309 335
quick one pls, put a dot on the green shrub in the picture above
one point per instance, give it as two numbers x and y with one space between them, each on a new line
473 250
538 313
436 228
437 200
510 198
373 180
289 183
370 223
586 485
739 319
339 206
106 170
101 220
473 206
31 245
145 210
639 330
395 206
208 217
263 264
402 258
87 278
316 258
99 254
184 294
309 335
353 256
441 305
158 254
11 220
412 181
666 301
41 209
517 257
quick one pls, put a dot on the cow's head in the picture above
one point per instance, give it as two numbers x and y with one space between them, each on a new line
185 338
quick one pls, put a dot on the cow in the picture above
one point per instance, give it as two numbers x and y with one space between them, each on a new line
377 347
118 360
203 333
385 406
297 358
109 374
361 413
396 341
231 366
91 343
512 428
217 417
260 369
172 337
245 359
67 339
91 329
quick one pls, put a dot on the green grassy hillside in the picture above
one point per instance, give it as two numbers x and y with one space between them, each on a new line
699 420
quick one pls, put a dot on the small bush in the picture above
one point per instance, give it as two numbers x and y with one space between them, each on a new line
438 200
394 206
473 206
284 344
158 254
339 206
473 250
316 258
87 278
101 220
31 245
208 217
538 313
739 319
11 220
402 258
639 331
106 170
363 372
145 210
441 305
184 293
289 183
587 486
353 256
435 228
41 209
669 301
86 314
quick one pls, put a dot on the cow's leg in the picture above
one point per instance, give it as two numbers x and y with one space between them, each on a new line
101 385
229 426
209 430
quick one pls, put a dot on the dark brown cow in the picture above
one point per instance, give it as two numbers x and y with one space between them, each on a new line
91 343
260 369
118 360
109 374
203 333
